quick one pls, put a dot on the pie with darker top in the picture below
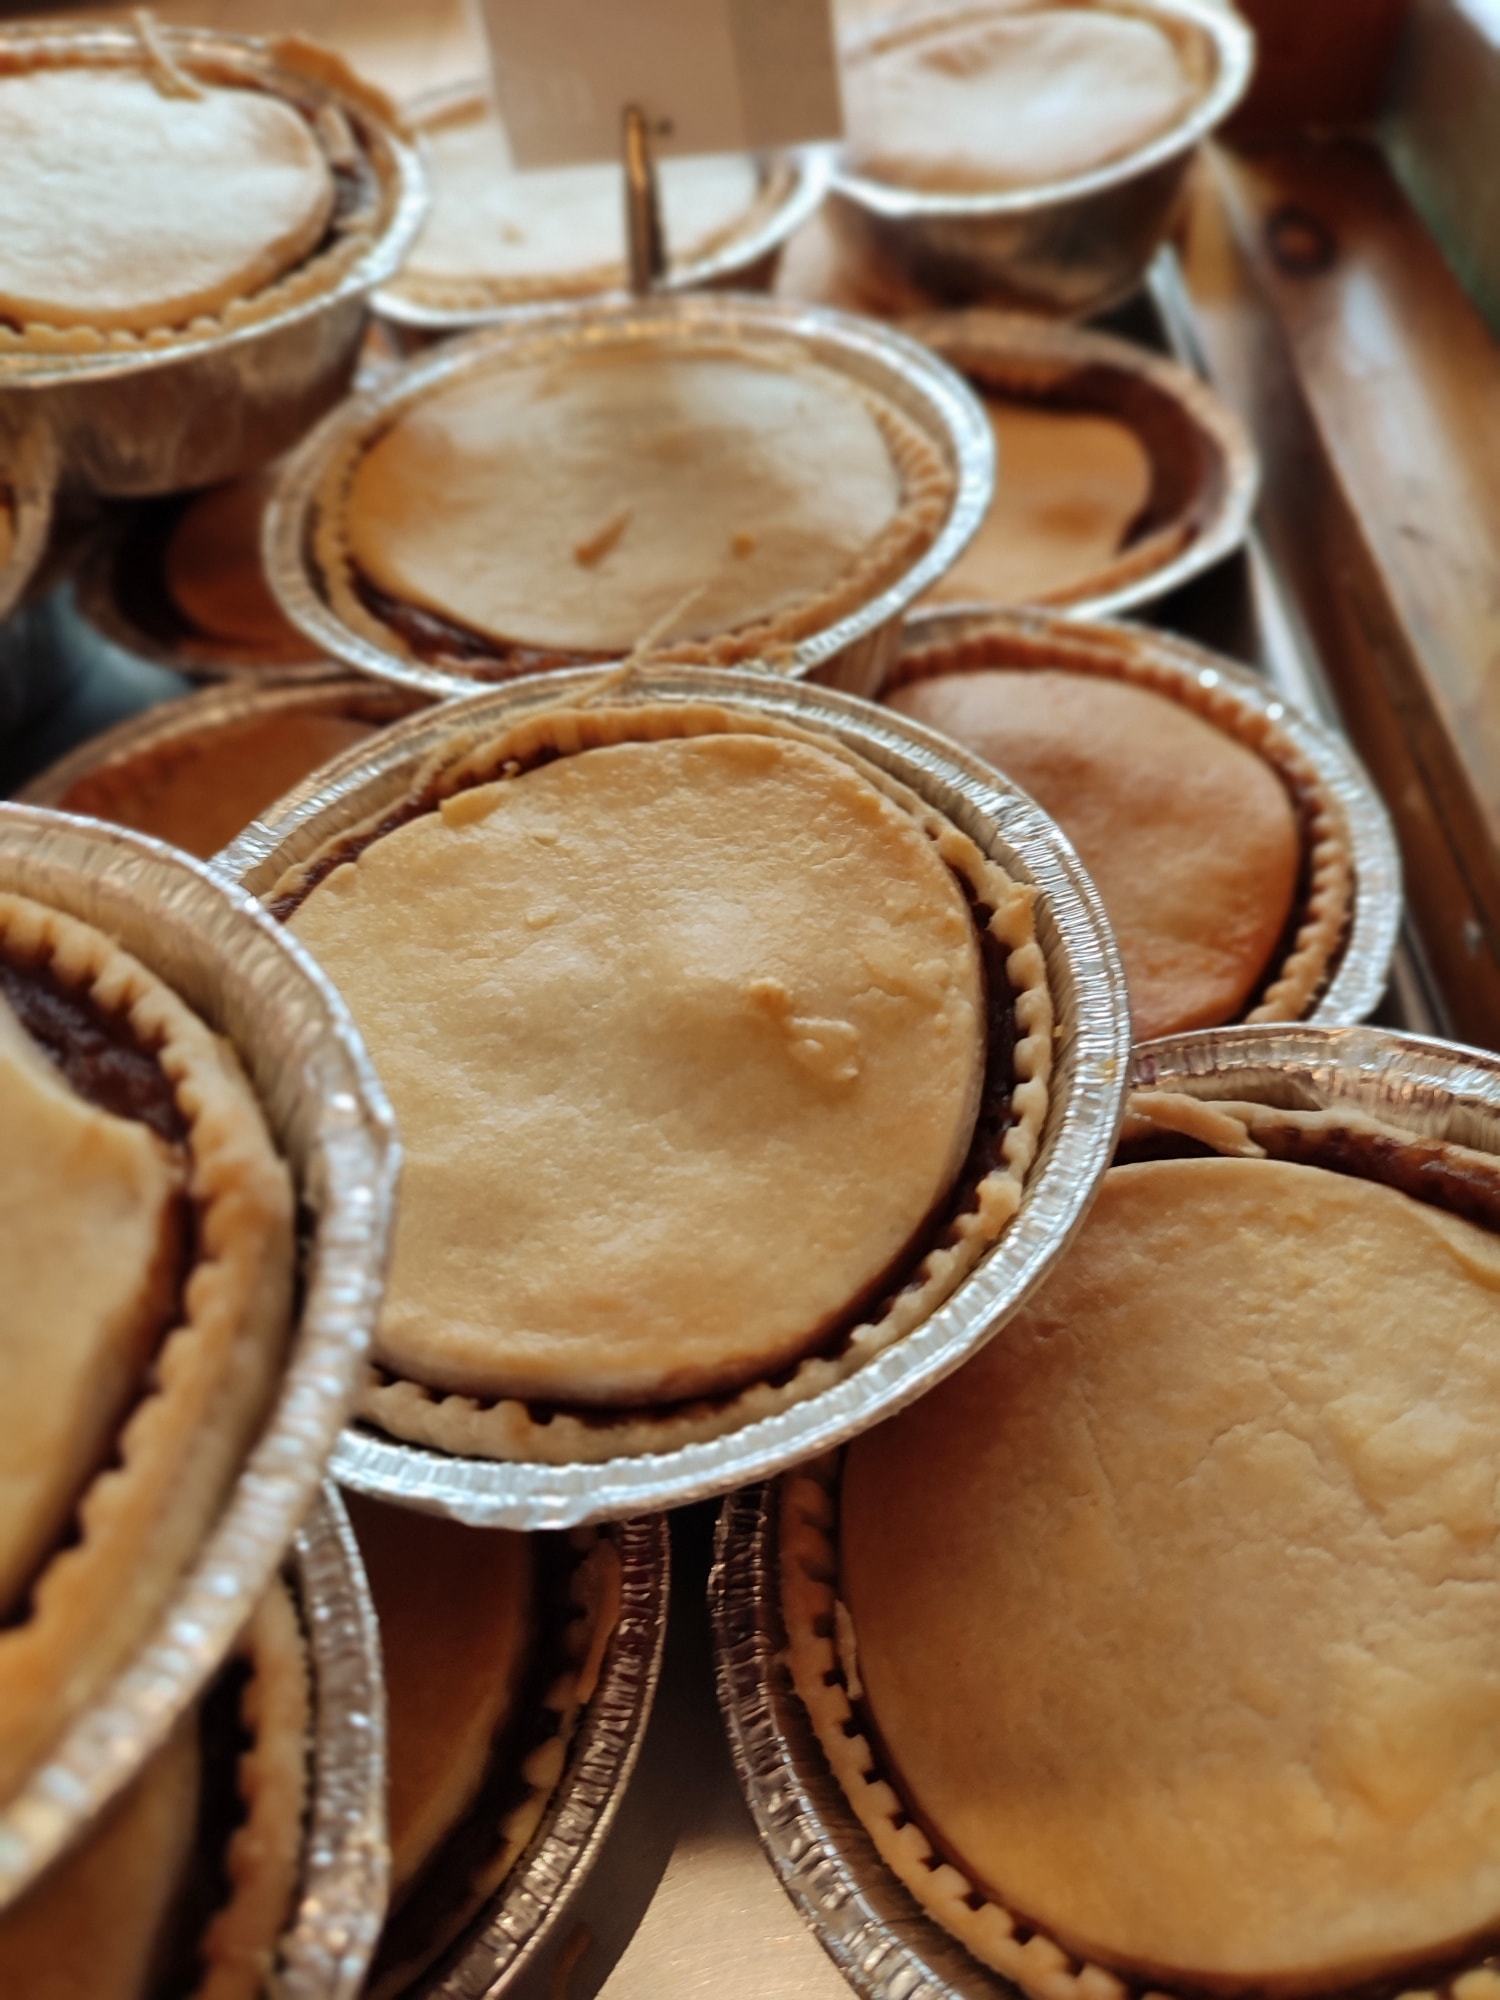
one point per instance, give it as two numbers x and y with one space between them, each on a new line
712 501
992 98
493 1644
1222 855
1155 1648
191 197
182 1890
146 1237
691 962
496 237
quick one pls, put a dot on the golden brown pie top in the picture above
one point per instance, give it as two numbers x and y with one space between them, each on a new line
1069 487
655 1090
168 202
1012 98
456 1630
1174 1610
211 566
146 1233
492 227
1191 837
200 791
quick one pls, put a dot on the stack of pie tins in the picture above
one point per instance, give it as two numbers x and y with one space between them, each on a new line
1154 1651
231 313
477 260
1075 237
987 965
1246 861
790 481
195 1083
251 1848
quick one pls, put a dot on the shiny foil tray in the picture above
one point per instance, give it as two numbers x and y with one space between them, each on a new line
251 981
850 653
883 1943
1073 247
1091 1058
1362 970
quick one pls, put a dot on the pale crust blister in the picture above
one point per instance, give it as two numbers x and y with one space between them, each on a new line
1326 896
508 1429
313 276
593 1613
926 484
820 1651
141 1520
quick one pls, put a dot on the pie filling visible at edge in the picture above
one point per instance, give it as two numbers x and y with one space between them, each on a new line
1238 1566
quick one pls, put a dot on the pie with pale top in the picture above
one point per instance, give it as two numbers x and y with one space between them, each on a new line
188 195
183 1888
712 501
493 1644
1155 1647
1004 98
495 237
1222 858
146 1234
692 961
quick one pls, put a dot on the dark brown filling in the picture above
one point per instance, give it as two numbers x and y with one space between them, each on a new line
443 641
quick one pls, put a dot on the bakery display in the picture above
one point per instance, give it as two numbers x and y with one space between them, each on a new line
1179 1531
729 1069
1224 857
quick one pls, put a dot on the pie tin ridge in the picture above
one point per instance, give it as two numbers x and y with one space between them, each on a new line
326 1947
849 653
29 471
519 1920
993 331
1074 247
807 167
301 353
1085 1102
884 1943
329 1115
1363 966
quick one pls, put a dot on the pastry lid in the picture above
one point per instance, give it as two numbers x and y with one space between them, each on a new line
792 186
1221 40
326 1947
923 387
1363 964
883 1944
1169 408
328 1114
1091 1056
535 1898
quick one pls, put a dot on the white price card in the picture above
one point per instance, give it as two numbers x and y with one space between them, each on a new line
711 76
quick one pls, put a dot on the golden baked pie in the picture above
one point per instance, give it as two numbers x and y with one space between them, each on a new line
1222 857
189 196
492 1644
495 237
187 1882
692 961
212 573
1164 1643
1009 97
712 500
146 1237
199 789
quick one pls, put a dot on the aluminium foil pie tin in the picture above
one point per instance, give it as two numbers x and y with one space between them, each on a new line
988 346
533 1902
1071 247
850 653
212 402
883 1943
1091 1058
252 982
1363 965
28 476
793 184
